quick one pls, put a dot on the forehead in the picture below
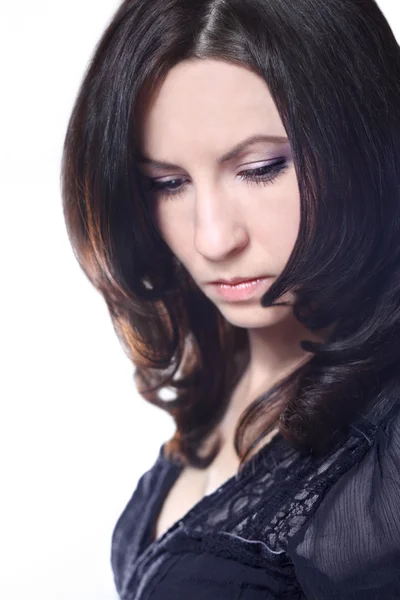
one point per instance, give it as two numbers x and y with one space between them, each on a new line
202 102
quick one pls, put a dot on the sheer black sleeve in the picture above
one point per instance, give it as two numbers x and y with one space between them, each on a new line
350 547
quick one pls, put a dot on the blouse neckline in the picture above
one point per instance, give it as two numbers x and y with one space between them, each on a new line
175 468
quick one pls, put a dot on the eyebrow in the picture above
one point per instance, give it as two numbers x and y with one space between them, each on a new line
238 149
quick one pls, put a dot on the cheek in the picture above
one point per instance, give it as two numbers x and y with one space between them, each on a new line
277 225
285 236
176 230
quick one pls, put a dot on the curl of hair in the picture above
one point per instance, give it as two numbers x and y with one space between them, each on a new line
333 70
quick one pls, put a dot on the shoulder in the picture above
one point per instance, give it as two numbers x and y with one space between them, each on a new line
146 489
132 522
350 548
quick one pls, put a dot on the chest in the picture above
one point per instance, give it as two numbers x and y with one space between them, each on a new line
193 484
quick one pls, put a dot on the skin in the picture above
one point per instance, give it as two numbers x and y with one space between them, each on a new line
219 225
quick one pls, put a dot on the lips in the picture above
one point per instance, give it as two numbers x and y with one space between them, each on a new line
242 289
236 280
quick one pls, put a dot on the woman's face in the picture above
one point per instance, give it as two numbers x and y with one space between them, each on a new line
219 224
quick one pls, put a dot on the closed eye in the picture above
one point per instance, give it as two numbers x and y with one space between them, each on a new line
263 175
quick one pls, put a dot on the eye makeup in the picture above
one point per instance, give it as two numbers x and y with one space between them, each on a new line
262 175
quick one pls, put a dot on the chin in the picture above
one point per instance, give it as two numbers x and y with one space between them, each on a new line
249 316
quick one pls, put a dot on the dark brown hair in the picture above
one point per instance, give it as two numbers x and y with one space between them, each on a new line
333 70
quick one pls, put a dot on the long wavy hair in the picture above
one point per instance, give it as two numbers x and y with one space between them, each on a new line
333 70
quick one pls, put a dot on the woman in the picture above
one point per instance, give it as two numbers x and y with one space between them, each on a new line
231 187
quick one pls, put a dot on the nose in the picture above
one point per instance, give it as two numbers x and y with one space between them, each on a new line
220 229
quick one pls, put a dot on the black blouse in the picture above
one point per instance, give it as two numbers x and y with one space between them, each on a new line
290 526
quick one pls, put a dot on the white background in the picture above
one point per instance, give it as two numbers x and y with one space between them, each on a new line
74 434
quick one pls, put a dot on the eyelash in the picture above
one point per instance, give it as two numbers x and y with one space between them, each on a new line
251 176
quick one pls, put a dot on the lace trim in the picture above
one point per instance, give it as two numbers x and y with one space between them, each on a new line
271 503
